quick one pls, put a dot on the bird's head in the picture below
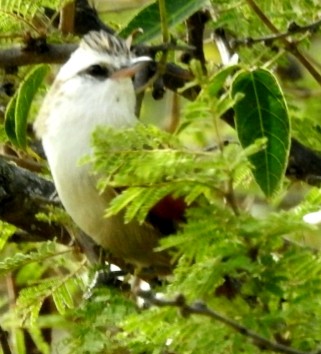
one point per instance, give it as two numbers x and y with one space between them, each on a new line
94 87
102 56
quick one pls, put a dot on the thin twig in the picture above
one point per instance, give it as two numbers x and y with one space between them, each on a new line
292 29
230 197
290 46
262 16
199 308
165 34
163 20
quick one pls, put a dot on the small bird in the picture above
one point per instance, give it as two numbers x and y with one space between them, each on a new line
94 88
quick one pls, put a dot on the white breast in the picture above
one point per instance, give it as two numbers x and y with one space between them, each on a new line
70 118
70 113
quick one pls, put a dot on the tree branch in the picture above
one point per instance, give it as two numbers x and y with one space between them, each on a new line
23 195
195 26
293 28
50 54
199 308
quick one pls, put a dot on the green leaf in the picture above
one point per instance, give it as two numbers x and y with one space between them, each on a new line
9 124
30 300
18 109
148 19
218 80
18 260
262 113
62 298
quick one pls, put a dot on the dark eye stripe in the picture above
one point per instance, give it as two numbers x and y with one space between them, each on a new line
98 71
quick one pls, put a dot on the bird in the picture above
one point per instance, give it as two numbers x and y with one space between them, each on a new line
95 88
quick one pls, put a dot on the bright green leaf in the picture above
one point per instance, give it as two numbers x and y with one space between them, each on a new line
9 125
18 108
59 300
219 79
18 260
262 113
148 19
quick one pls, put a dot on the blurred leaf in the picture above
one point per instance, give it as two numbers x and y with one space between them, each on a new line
6 231
262 113
18 260
18 109
9 125
148 19
219 79
31 298
62 298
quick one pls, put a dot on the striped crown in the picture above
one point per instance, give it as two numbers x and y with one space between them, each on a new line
103 42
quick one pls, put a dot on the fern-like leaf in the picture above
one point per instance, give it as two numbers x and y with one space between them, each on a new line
45 250
31 299
152 164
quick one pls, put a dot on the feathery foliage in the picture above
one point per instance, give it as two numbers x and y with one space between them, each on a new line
19 260
17 16
179 171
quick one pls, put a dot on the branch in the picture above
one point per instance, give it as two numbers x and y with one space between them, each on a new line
195 26
199 308
49 53
23 195
53 54
293 28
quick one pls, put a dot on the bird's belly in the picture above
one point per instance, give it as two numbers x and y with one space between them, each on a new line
76 187
132 242
83 202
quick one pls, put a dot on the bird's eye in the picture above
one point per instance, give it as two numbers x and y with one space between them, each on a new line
98 71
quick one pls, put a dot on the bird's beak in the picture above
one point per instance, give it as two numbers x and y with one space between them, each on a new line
135 65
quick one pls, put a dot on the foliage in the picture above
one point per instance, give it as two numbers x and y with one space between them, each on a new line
149 19
262 113
18 109
18 16
254 261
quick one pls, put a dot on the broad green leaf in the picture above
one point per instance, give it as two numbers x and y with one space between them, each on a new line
9 124
148 19
262 113
18 108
